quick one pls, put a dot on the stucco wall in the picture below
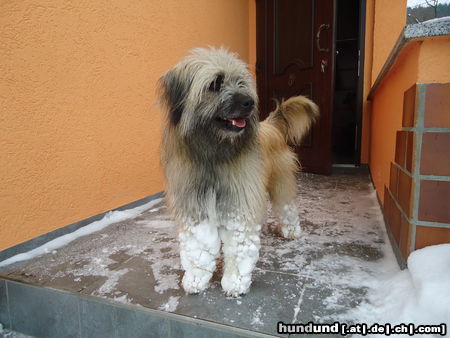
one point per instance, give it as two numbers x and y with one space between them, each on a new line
252 36
368 60
434 56
385 20
389 20
420 62
386 114
80 127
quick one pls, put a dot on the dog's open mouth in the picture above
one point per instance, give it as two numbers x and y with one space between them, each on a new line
235 124
240 123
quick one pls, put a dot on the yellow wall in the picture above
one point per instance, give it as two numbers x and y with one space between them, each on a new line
80 127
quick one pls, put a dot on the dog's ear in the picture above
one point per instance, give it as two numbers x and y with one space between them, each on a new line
174 91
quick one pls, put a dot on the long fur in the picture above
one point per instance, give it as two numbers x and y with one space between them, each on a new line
293 117
217 178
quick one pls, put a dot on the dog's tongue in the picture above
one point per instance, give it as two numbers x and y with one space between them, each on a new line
241 123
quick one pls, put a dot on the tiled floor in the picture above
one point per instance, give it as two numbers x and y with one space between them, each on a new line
316 278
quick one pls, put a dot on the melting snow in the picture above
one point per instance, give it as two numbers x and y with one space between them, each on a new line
171 304
257 317
110 218
343 251
419 294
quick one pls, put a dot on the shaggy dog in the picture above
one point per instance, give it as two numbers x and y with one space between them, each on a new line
220 162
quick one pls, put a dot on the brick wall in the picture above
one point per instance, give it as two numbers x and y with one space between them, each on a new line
417 201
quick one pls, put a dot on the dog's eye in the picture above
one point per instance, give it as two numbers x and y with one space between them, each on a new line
216 84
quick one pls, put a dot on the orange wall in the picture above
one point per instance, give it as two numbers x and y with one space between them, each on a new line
80 127
420 62
389 20
386 114
368 60
433 60
252 35
385 20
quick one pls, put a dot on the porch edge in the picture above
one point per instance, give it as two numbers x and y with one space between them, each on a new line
42 239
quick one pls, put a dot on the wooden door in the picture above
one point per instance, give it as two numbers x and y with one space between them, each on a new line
295 55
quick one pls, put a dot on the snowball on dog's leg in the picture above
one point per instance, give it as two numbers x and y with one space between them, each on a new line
241 252
199 248
289 221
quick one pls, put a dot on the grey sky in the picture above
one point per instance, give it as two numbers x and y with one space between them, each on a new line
414 3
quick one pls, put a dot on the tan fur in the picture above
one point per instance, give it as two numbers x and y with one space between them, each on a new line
294 117
217 178
288 123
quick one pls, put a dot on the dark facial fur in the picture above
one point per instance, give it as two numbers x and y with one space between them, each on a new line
214 113
215 139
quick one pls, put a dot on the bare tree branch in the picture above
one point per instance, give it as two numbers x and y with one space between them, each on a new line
433 4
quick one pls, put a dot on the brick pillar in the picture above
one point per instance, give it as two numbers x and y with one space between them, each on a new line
417 201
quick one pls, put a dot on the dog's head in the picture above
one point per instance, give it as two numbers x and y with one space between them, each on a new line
211 95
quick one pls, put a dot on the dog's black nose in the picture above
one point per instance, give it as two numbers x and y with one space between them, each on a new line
244 102
247 102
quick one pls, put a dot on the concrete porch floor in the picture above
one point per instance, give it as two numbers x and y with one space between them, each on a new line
318 278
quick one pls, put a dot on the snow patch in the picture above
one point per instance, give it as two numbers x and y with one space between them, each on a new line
153 241
257 317
110 218
419 294
298 306
111 282
123 299
164 281
171 304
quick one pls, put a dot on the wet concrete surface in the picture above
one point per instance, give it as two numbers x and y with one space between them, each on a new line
316 278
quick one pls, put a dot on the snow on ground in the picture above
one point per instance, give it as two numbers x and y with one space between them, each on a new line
342 263
110 218
419 294
4 333
98 261
342 250
101 254
171 304
256 320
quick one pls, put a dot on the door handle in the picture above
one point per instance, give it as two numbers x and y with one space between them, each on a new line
291 79
321 27
323 65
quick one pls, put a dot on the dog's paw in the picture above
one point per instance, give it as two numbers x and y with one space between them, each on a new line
291 231
290 222
234 293
235 285
196 281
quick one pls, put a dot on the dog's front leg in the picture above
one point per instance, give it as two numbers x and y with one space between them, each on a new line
241 252
199 248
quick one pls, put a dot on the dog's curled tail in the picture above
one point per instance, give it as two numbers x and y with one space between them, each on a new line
294 117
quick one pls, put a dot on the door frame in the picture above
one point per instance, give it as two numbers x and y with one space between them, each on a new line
261 54
360 90
262 76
